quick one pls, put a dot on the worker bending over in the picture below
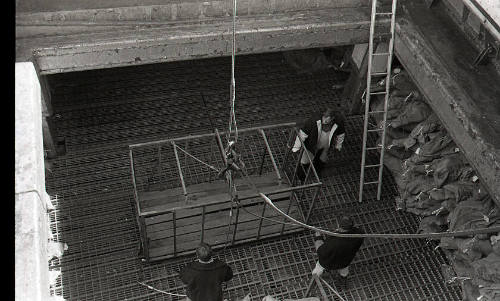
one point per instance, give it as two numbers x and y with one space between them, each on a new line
204 276
337 253
317 133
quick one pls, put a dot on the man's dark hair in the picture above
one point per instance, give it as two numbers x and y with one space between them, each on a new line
329 113
204 252
346 223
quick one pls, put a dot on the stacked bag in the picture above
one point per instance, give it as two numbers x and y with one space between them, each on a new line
436 182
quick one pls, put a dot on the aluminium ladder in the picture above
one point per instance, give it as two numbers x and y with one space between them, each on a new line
376 75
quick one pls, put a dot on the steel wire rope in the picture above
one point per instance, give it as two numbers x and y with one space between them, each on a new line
232 119
160 291
206 164
232 114
331 288
384 235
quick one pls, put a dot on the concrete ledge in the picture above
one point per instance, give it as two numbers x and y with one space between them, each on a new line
130 8
31 233
179 11
118 46
439 59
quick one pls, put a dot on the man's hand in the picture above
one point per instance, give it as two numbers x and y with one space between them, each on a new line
318 270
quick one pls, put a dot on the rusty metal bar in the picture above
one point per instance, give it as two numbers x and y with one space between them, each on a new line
288 124
221 146
140 219
261 219
185 153
203 222
179 167
142 229
175 233
284 218
236 222
262 162
315 196
297 166
270 154
132 169
309 157
289 147
159 165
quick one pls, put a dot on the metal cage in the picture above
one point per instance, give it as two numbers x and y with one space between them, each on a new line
181 198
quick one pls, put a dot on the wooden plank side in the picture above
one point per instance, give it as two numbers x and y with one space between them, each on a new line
213 221
190 212
208 193
165 248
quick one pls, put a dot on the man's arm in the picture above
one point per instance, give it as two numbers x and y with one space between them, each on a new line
297 145
340 135
305 127
326 252
185 275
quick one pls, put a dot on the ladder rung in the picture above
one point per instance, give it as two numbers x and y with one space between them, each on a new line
374 182
381 53
376 130
372 165
379 74
383 14
375 147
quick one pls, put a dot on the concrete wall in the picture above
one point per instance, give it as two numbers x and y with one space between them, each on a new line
31 230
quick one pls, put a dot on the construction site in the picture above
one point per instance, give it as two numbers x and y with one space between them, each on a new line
146 127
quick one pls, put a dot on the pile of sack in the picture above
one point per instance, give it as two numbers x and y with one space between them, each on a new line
436 182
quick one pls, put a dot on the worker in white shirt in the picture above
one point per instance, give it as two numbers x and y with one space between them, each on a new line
317 134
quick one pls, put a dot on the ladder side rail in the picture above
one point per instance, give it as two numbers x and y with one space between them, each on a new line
386 98
367 100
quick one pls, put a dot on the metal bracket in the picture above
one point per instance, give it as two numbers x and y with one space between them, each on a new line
486 53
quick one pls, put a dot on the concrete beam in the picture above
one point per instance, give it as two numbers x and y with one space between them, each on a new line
31 230
154 8
120 46
439 58
48 128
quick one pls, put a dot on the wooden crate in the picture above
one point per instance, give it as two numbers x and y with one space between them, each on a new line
176 223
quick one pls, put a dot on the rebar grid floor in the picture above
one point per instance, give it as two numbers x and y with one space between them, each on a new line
100 112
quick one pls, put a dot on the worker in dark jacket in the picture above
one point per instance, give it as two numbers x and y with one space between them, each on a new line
204 277
337 253
317 133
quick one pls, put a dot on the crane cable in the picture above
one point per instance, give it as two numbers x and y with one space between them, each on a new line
384 235
160 291
232 115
